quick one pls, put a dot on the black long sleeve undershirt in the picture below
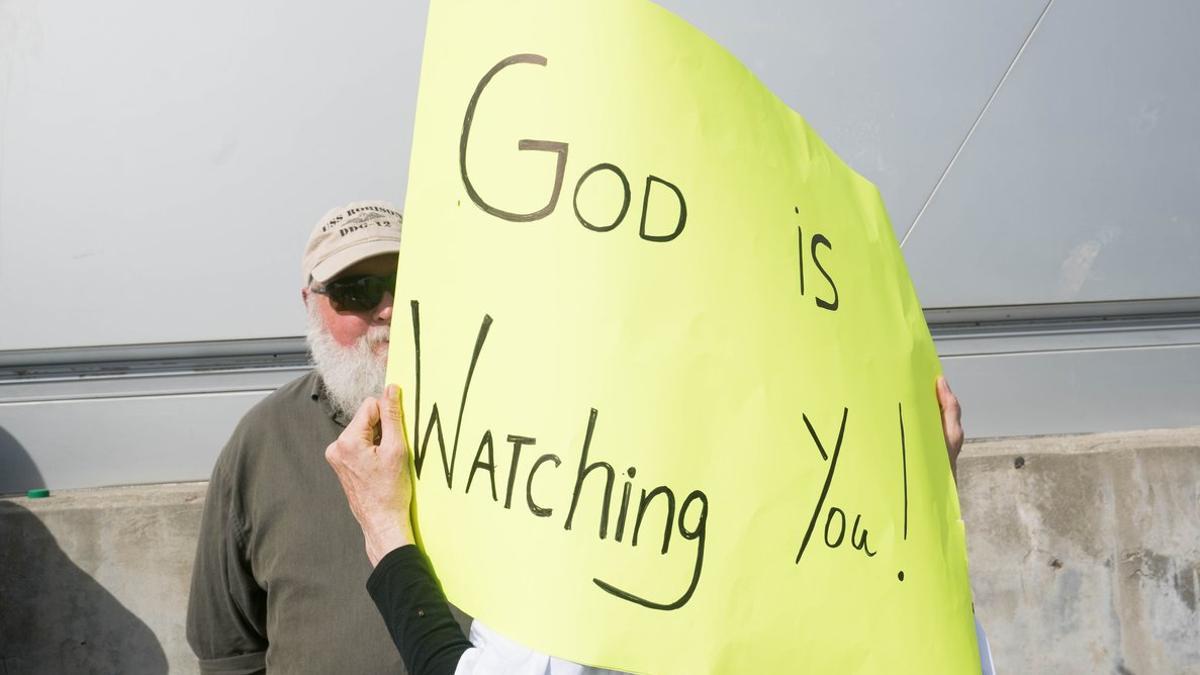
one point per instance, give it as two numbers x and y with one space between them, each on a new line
417 613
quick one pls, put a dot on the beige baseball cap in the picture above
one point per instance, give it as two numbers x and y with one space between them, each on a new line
348 234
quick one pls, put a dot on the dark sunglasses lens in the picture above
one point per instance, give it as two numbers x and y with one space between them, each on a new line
359 294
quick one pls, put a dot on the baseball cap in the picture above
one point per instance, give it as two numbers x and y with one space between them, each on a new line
348 234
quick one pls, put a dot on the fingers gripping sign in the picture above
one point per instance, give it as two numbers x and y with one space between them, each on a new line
370 458
390 437
951 422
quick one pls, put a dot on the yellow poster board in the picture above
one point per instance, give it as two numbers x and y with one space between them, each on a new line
668 387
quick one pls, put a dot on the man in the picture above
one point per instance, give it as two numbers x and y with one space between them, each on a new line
279 579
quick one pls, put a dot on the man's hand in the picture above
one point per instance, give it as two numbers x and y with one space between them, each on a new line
370 459
951 422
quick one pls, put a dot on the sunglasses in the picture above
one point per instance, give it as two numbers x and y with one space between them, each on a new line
359 293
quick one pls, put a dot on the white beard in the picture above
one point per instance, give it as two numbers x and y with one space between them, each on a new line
353 373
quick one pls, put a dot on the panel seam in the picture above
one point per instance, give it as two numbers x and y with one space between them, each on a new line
995 91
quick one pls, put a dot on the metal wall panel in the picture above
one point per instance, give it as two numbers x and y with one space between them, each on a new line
161 164
893 87
116 441
1078 391
1081 181
1023 378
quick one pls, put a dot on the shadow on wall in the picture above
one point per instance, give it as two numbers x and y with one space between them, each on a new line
18 473
54 618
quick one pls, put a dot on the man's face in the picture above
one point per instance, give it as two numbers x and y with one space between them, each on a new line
346 327
349 347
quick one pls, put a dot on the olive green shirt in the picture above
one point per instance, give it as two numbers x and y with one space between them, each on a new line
280 576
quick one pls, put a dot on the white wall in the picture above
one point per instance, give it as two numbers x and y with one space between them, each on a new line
162 162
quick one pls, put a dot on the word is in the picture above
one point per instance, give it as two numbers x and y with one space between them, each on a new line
816 240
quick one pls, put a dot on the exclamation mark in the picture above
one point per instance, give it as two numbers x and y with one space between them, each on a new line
904 468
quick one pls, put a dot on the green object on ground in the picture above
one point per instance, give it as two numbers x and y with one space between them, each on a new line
38 493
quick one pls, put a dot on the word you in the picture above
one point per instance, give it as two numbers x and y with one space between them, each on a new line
836 519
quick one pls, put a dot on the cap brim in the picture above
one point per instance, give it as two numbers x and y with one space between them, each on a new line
334 264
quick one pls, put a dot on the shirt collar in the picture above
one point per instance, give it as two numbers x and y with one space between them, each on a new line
316 392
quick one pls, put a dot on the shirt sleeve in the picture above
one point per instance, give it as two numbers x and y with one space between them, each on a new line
416 613
986 665
226 619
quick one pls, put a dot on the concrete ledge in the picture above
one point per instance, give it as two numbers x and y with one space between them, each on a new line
1085 550
1116 441
1085 558
96 580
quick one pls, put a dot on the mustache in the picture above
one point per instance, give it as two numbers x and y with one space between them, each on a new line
376 335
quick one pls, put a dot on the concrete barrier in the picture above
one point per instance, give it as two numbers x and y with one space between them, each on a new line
1085 551
1085 558
96 581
